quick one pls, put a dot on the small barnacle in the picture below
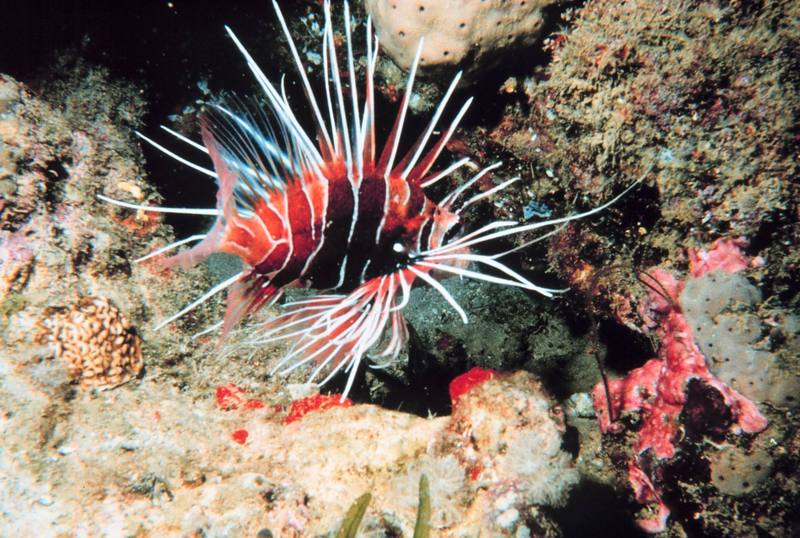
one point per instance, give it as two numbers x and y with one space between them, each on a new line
96 343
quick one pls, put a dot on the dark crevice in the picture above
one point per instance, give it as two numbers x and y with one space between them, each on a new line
597 510
626 349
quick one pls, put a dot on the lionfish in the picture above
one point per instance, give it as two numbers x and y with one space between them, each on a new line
329 213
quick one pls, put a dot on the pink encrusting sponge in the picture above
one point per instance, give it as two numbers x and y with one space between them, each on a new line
657 390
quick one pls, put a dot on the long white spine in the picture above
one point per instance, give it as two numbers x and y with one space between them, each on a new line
359 150
431 126
301 70
406 100
337 83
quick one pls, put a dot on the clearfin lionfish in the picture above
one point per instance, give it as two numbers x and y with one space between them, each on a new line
332 213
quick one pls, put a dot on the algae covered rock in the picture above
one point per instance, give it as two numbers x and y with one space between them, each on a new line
59 244
701 99
508 329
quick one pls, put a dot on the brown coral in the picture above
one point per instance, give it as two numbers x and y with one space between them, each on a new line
98 345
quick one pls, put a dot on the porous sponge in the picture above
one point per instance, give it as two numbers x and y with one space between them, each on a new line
737 471
719 307
470 34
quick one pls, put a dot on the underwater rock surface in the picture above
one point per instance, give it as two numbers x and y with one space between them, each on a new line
508 330
701 98
154 460
58 244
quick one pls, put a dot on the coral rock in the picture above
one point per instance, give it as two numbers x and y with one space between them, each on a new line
508 434
467 34
659 389
96 342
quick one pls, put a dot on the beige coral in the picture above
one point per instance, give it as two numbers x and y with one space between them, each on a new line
466 33
98 345
507 433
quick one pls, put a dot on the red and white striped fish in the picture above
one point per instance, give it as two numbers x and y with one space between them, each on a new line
331 214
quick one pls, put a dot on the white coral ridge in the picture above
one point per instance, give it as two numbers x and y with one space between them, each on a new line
464 33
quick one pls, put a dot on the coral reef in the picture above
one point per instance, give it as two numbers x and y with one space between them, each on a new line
701 98
677 399
60 245
469 35
704 93
97 343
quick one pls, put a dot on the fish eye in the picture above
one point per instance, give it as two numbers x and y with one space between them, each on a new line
398 248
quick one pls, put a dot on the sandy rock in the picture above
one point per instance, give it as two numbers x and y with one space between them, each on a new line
149 459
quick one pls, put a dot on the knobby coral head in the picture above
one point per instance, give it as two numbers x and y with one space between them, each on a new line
335 213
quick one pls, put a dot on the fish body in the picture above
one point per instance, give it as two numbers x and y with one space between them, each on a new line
329 213
323 234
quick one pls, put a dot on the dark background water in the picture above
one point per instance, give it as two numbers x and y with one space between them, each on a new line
165 48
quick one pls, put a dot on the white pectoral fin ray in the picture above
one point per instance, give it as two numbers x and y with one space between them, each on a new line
169 247
160 209
338 331
306 84
174 155
508 228
203 298
442 290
